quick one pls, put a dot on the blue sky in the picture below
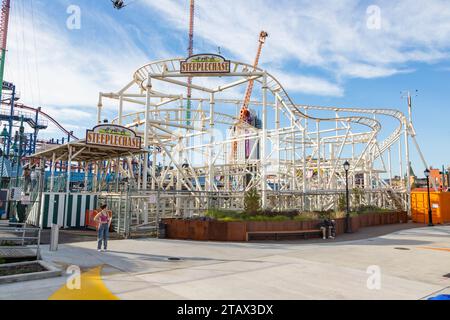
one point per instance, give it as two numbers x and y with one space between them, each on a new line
322 51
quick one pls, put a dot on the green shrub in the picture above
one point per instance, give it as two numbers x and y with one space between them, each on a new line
342 202
223 214
229 219
267 218
252 202
369 209
289 213
302 218
267 215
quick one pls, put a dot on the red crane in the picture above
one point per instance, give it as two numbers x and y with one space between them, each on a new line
244 115
190 53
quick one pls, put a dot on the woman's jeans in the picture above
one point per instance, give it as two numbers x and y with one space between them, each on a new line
103 235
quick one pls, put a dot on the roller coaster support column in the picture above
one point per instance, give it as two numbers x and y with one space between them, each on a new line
319 164
293 155
264 144
211 151
278 143
69 177
408 170
304 169
120 109
305 128
36 130
99 109
146 133
11 115
154 159
146 146
52 173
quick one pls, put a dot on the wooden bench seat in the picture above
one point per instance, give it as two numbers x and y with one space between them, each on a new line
279 234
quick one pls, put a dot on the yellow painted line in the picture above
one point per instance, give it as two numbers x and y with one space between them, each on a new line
435 249
92 288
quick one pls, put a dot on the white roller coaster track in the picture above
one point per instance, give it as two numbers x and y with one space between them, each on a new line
310 180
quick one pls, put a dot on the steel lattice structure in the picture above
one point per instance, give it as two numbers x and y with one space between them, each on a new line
293 156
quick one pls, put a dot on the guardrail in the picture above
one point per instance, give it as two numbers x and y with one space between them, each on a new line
23 235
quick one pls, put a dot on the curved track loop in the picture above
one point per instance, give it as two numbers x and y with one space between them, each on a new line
47 116
171 66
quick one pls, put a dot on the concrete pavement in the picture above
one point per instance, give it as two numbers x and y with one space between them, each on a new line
412 264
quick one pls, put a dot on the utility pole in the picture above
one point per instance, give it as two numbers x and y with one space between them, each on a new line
443 177
408 132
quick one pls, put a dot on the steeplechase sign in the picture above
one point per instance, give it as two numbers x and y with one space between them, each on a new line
205 63
113 136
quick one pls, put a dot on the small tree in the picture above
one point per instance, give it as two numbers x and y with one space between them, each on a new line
252 202
342 203
359 194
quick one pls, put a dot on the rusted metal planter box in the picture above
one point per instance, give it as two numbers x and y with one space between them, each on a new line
199 230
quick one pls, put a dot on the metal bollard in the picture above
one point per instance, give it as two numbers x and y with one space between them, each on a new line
54 237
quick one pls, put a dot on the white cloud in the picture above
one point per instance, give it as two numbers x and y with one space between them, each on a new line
72 69
332 36
366 71
309 85
305 37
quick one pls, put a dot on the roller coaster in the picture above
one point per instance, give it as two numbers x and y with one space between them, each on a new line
36 120
294 158
49 118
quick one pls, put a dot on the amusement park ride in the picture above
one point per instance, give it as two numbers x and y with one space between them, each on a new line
17 115
295 162
199 154
118 4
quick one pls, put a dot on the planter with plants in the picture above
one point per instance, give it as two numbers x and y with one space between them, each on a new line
223 225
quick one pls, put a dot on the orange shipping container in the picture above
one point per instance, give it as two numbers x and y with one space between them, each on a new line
440 205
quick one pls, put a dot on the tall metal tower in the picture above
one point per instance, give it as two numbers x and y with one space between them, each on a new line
4 22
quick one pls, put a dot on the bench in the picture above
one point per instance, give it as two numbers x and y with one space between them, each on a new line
278 234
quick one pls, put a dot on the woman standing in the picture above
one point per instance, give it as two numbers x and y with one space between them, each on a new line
104 222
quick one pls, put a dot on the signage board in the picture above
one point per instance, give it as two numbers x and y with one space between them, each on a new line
113 136
205 63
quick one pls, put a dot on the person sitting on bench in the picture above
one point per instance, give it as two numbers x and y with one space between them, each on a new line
328 228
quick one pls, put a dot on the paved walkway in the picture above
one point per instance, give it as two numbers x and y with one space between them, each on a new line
413 264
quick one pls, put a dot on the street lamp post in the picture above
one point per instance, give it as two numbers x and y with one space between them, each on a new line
430 212
348 224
